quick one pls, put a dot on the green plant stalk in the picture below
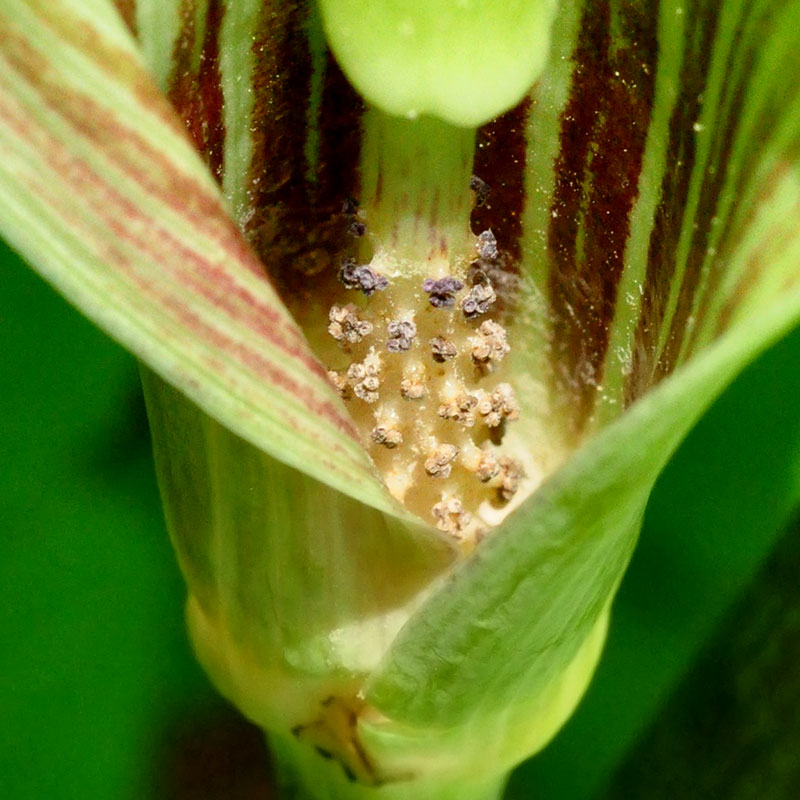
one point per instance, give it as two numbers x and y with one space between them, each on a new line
305 774
415 190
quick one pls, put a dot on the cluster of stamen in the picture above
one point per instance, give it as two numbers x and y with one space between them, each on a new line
450 515
442 350
439 464
362 277
346 326
401 335
419 356
442 291
479 300
497 406
489 346
364 377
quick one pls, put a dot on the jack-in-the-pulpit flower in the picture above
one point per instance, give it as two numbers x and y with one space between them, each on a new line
421 318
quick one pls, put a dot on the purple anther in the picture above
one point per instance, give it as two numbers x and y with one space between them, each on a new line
442 291
487 245
362 277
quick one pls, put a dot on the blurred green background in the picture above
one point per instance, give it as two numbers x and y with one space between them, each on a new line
99 694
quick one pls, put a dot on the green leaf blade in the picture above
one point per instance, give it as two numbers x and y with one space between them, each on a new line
119 214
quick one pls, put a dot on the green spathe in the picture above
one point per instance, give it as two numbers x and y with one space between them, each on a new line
465 61
314 596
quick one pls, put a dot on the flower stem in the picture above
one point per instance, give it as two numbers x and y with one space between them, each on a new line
304 774
415 192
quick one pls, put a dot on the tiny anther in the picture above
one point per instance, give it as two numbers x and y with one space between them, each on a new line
442 350
511 472
412 388
440 463
357 228
442 291
350 206
389 437
362 277
480 188
487 245
346 326
450 515
364 377
478 300
498 406
460 409
401 335
350 211
340 384
490 345
488 467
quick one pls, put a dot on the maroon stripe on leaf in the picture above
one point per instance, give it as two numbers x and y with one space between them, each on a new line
713 183
735 224
500 151
194 88
119 64
113 213
603 131
680 159
340 141
294 222
127 10
122 146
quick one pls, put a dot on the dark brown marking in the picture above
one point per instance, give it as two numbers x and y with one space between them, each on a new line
296 225
195 90
782 231
603 131
210 755
340 140
127 10
500 151
680 159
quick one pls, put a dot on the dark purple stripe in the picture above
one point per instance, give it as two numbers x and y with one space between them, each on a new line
340 141
195 90
603 132
295 223
680 158
500 152
127 10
